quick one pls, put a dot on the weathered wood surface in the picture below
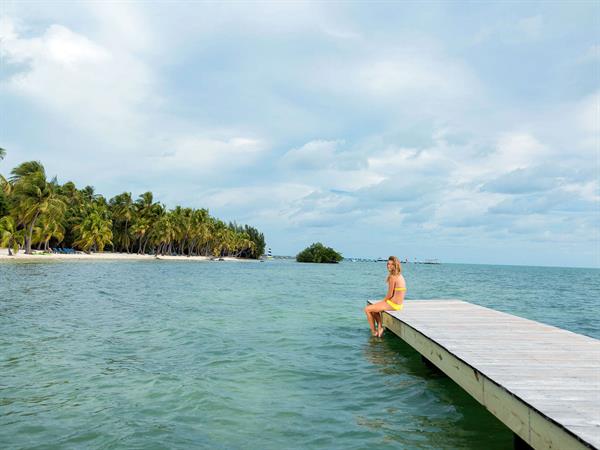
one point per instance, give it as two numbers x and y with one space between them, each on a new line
541 381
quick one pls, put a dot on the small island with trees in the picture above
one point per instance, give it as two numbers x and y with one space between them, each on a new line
37 211
318 253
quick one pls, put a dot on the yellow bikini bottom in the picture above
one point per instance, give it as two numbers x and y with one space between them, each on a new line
396 306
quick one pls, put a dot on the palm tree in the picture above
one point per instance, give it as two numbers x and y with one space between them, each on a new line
9 235
5 196
43 211
94 232
5 185
140 229
48 227
146 214
184 229
163 234
199 234
34 196
123 212
89 193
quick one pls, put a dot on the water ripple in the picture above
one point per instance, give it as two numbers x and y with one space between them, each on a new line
170 355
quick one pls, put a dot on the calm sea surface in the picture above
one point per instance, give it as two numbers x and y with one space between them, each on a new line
270 355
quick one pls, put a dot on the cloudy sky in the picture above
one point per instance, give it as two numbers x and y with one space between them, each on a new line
467 132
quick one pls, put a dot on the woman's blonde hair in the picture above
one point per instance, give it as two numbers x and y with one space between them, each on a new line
396 268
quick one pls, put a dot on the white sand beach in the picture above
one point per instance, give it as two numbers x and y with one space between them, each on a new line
39 255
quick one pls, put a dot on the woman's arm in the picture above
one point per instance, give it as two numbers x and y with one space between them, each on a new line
390 291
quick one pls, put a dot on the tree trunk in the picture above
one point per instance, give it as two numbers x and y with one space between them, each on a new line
29 235
126 237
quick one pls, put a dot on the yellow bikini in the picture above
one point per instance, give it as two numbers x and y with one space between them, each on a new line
396 306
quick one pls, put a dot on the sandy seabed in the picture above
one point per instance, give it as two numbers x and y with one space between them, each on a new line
38 255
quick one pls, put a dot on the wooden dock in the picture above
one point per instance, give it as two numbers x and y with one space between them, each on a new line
542 382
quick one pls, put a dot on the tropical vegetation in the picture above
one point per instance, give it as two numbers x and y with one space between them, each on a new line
37 212
318 253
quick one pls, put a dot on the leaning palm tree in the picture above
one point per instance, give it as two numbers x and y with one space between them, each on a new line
10 236
34 196
49 227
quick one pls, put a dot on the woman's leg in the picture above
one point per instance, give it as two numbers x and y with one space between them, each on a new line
371 320
379 323
373 311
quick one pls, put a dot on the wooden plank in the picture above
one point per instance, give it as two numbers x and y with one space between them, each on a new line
541 381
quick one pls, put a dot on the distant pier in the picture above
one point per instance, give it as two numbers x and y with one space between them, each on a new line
542 382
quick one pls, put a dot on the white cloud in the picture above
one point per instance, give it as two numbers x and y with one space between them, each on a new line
58 45
91 86
588 116
328 164
198 103
321 208
520 181
407 75
517 151
313 155
125 25
591 54
267 203
201 155
410 80
339 33
588 191
511 30
531 27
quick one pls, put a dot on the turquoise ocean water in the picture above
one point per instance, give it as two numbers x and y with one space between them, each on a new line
272 355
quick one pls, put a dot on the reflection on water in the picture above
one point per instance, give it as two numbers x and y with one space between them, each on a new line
440 412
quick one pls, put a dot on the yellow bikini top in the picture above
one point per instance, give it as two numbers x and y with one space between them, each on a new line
400 289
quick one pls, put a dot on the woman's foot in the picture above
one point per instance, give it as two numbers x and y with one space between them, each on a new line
380 331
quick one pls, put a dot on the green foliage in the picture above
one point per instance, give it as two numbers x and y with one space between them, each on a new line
5 195
95 230
34 198
10 237
3 204
47 214
318 253
256 247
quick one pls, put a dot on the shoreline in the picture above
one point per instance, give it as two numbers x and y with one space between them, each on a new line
106 256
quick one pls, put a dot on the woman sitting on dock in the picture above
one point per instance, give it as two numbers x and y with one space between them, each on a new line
394 299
